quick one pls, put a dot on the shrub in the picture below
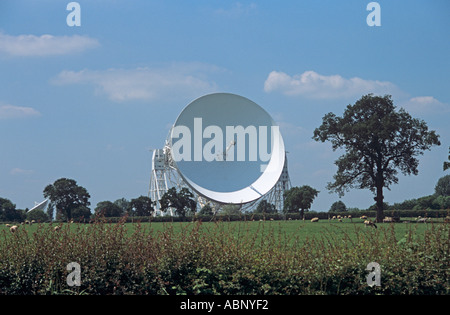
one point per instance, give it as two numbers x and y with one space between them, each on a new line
220 258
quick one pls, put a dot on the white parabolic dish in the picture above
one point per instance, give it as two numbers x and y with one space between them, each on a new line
227 148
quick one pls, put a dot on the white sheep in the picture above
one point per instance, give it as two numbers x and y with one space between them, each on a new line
315 219
370 223
13 228
388 219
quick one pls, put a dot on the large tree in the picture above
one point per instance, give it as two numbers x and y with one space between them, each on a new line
142 206
299 198
181 201
108 209
265 207
68 198
442 187
379 141
8 211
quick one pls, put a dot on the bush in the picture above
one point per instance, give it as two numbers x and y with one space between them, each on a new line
211 259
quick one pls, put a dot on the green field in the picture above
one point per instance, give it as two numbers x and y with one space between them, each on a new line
295 230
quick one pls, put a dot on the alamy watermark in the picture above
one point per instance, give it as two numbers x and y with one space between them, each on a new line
374 276
235 143
372 279
74 278
374 17
74 17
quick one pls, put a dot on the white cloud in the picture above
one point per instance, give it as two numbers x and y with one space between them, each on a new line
10 111
313 85
19 171
144 83
44 45
238 9
425 105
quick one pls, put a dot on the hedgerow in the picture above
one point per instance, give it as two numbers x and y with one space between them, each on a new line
217 258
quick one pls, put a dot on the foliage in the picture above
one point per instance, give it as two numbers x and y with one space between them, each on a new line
378 141
37 215
124 205
443 186
142 206
218 258
434 202
108 209
181 201
8 211
338 206
447 164
265 207
68 197
230 210
299 198
206 210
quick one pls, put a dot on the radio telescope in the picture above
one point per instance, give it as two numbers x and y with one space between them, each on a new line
227 150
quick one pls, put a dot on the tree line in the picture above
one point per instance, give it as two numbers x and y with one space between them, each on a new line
379 142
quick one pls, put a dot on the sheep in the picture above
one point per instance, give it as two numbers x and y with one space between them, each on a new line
388 219
8 225
363 217
13 228
339 220
370 223
315 219
423 220
334 217
56 228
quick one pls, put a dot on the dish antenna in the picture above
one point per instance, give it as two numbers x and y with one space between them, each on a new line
41 205
226 149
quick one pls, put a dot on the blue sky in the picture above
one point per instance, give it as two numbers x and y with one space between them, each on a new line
89 102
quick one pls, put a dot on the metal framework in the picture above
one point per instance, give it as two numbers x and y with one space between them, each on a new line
164 175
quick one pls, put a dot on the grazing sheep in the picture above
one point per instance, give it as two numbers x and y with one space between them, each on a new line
422 220
388 219
363 217
8 225
339 220
56 228
334 217
370 223
315 219
13 228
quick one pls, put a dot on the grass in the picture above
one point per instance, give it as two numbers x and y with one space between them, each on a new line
296 230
